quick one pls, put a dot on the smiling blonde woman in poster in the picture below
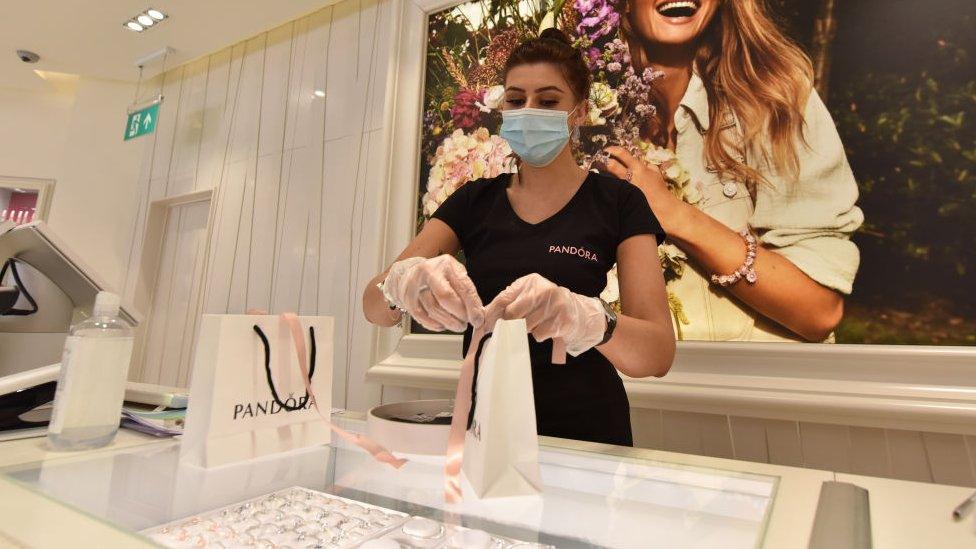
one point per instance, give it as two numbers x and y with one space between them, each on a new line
762 236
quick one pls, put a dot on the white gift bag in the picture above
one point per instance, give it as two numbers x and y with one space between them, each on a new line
501 447
233 414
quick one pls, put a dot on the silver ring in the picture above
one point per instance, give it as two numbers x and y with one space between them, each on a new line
629 175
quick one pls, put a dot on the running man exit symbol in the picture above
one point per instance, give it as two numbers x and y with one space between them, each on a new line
142 121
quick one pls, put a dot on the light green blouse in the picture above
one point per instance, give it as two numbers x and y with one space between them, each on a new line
808 220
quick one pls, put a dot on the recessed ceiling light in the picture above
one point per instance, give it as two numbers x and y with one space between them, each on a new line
319 93
144 20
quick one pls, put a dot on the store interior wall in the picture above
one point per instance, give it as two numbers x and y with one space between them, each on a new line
70 132
297 179
297 182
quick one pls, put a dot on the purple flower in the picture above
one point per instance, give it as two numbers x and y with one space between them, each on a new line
584 6
593 58
599 18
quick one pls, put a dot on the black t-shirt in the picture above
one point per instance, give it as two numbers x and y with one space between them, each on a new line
583 399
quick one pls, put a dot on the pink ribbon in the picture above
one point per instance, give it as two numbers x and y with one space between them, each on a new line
454 457
376 450
459 419
462 406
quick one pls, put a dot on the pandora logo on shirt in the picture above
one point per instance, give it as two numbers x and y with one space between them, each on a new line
573 250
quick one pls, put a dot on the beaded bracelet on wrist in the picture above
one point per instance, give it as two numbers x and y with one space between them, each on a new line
746 270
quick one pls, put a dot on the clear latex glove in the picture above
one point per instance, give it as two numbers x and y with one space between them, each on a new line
552 312
436 292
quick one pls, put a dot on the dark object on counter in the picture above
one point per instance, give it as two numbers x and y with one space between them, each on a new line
963 508
8 310
14 406
843 519
424 418
8 298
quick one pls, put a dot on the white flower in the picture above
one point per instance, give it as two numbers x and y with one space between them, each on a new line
672 172
593 117
671 252
659 155
461 158
603 96
494 96
693 192
602 102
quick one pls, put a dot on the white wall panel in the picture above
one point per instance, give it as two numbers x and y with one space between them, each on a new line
166 125
298 183
174 304
911 455
261 239
214 121
188 128
869 452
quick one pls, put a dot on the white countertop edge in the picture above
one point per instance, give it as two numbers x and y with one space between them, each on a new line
897 387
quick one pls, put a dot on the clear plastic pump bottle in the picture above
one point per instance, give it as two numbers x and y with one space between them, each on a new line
91 386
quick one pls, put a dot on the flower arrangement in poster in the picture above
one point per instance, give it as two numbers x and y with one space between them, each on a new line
467 49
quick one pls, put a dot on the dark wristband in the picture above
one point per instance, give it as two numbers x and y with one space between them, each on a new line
611 322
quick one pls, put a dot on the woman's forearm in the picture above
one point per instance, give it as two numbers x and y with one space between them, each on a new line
783 292
375 307
640 348
435 238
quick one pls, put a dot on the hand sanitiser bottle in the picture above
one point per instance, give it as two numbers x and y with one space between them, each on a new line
91 386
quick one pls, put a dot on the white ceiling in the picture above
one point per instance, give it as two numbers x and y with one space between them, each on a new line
86 37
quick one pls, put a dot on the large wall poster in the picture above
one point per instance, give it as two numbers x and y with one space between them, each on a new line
898 77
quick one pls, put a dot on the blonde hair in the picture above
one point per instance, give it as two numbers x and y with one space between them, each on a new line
751 69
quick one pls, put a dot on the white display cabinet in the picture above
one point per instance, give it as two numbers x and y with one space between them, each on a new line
593 495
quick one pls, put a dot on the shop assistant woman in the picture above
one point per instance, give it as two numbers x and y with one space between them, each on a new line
538 245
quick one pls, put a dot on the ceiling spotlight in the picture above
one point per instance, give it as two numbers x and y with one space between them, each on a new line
319 93
145 20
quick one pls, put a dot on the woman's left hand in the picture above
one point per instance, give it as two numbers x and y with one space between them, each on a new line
551 312
648 178
626 166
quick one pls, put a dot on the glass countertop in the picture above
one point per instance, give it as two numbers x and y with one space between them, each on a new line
589 499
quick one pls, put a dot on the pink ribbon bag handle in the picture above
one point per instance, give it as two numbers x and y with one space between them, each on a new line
376 450
462 403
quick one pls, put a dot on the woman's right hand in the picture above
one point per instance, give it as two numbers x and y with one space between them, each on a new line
436 292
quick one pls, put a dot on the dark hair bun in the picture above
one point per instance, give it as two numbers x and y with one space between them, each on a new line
554 46
553 33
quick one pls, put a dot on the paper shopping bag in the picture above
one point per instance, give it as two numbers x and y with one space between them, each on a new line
501 448
247 392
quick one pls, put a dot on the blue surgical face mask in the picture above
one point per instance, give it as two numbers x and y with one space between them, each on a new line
536 135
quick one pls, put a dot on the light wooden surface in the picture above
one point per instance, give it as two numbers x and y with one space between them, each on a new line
912 515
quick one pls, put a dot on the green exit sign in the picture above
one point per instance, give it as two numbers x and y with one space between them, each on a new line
142 121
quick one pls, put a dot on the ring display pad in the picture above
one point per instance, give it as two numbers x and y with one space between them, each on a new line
296 517
299 517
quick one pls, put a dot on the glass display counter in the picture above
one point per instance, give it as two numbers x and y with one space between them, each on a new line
591 497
